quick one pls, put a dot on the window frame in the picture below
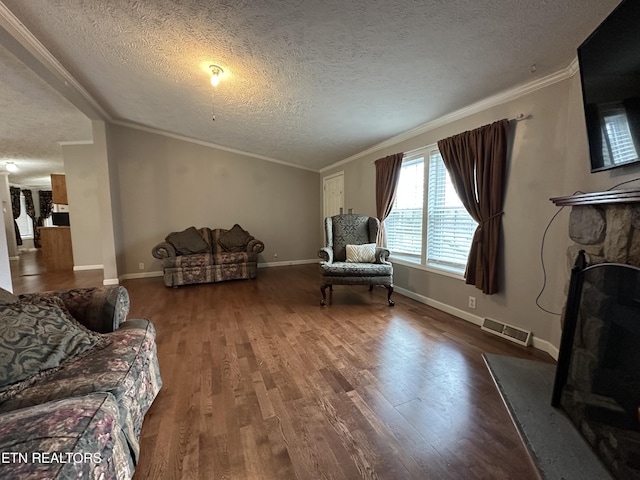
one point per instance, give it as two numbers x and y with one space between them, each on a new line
25 219
412 261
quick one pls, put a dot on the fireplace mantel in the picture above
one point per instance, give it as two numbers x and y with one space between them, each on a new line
599 198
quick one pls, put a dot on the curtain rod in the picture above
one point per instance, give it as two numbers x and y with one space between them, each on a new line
515 118
520 116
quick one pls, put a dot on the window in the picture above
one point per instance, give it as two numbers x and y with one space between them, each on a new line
25 224
404 225
617 146
441 239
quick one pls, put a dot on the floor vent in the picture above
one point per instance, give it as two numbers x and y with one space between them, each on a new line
515 334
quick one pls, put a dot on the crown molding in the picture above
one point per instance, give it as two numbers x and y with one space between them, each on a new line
494 100
75 142
204 143
29 45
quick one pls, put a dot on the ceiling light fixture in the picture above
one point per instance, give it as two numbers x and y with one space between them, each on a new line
11 167
216 73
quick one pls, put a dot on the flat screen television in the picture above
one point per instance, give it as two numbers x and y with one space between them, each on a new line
610 74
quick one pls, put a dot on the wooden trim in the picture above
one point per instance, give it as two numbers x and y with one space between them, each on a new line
599 198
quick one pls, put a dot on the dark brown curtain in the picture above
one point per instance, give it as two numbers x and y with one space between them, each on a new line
15 209
476 162
387 176
46 208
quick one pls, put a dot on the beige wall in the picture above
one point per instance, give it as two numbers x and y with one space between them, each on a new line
549 158
84 207
166 184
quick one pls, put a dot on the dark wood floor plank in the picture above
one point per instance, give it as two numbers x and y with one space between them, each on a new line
262 383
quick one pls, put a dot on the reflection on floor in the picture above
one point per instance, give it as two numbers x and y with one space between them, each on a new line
28 274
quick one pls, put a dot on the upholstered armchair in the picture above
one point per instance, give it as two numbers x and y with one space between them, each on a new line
351 256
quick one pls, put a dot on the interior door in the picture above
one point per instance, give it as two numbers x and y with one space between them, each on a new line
333 194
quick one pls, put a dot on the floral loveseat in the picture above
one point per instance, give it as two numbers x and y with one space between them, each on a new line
204 255
76 380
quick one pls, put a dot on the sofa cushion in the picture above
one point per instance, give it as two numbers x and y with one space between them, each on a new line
357 269
37 336
127 367
235 240
77 437
224 258
196 260
187 242
361 253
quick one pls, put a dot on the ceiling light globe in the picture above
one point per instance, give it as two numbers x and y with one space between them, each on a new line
216 73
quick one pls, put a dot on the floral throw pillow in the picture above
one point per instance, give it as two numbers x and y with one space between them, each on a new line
361 253
37 336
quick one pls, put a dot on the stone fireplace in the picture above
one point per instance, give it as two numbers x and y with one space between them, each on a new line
598 372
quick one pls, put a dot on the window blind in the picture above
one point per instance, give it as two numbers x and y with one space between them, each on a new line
449 227
403 226
618 134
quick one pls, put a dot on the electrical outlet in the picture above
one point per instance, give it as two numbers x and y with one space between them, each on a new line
275 256
141 266
472 302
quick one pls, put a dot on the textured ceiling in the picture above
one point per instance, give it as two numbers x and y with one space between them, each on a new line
307 82
35 119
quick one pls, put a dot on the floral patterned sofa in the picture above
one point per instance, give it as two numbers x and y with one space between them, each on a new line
76 380
207 255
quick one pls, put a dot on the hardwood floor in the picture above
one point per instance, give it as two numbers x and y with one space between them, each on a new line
262 383
28 274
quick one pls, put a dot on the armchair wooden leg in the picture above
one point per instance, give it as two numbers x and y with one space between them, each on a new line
371 288
323 302
389 292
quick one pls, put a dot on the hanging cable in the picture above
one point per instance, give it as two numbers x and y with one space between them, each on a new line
623 183
544 270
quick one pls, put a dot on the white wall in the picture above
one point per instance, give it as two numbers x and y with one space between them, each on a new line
84 206
5 268
549 158
9 229
167 184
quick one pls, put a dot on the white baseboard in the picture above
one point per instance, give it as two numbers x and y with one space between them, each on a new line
110 281
537 343
456 312
78 268
546 346
133 276
287 263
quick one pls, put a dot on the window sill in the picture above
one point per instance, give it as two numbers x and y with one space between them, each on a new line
419 266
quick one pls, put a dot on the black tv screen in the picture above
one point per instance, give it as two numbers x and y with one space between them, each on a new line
610 74
60 219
